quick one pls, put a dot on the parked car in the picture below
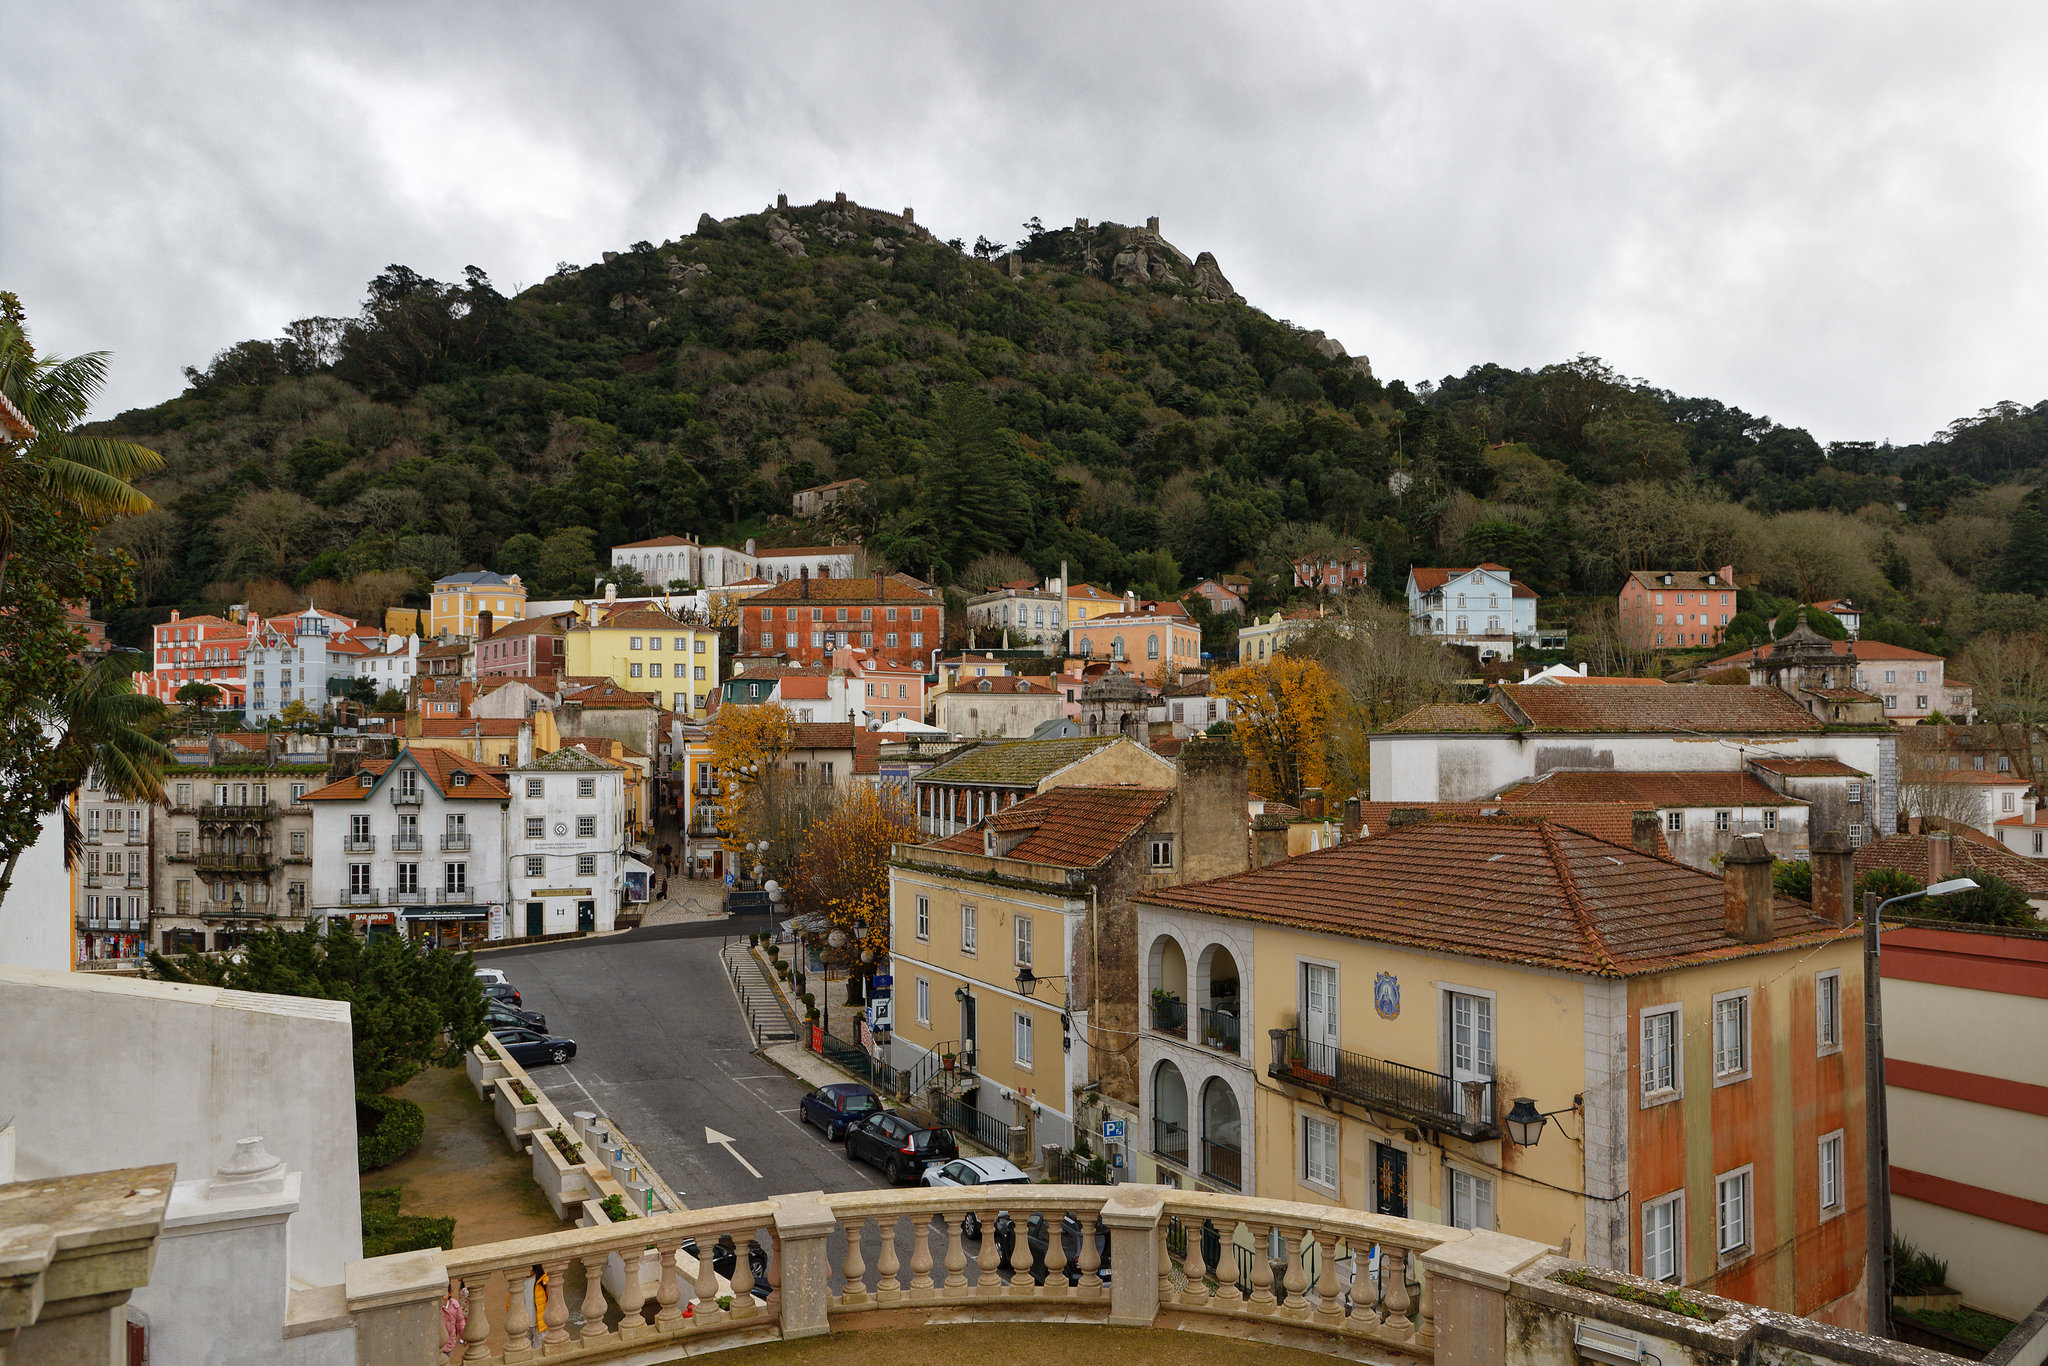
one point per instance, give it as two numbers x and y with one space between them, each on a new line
498 1015
995 1171
838 1107
898 1145
977 1171
490 976
503 992
529 1046
723 1260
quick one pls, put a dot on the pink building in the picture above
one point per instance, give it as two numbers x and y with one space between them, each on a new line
1677 608
1338 573
1222 594
529 648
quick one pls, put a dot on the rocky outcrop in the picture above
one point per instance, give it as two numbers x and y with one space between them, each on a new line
1329 348
1209 281
781 235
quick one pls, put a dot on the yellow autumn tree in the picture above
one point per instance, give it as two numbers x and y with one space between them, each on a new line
747 746
1281 709
842 873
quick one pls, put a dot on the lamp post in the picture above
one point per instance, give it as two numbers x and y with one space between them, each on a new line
1877 1174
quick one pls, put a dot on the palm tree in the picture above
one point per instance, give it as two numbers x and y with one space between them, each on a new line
105 730
92 473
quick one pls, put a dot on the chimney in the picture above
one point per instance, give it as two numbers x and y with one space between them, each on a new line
1354 816
804 578
881 588
1834 877
1940 857
483 624
1312 802
1912 825
1746 890
1642 832
526 744
2029 813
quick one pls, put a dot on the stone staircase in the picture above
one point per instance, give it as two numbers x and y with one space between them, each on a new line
768 1019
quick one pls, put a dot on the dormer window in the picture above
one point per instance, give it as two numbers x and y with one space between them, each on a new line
366 779
985 686
461 779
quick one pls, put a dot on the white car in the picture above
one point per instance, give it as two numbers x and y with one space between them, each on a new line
976 1171
490 977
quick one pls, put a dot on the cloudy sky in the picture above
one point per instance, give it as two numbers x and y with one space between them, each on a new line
1831 214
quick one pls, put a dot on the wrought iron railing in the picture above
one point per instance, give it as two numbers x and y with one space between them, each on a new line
1219 1027
1170 1140
1170 1017
1223 1162
1429 1098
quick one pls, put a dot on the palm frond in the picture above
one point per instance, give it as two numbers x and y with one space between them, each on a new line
122 459
61 391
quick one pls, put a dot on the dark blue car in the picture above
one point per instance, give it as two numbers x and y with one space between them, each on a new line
838 1107
530 1046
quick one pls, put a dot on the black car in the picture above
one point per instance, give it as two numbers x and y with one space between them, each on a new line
498 1015
838 1107
724 1260
899 1146
1037 1241
528 1046
504 993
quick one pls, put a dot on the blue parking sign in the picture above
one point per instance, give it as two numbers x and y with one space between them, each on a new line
1113 1130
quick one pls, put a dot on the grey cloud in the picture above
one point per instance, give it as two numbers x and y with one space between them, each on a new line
1824 215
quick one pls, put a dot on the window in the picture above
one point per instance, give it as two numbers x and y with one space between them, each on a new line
586 865
1162 852
536 827
1920 702
1770 820
1920 675
1023 924
633 670
358 829
1318 1152
1664 1237
1023 1037
1855 791
359 879
533 787
654 642
1831 1175
586 787
924 1001
536 866
1471 1199
1891 702
1675 822
635 644
455 876
1855 837
298 842
1663 1073
967 929
185 842
1720 820
654 669
924 918
2005 802
1731 1037
409 879
1827 1012
586 827
1731 1212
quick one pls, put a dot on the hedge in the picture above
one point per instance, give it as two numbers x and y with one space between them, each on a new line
386 1231
387 1128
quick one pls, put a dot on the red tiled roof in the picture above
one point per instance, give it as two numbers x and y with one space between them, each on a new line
865 744
841 590
769 554
1978 777
1683 579
637 617
1791 767
606 694
1865 650
803 687
1429 580
1006 683
1529 892
546 624
440 768
446 727
1610 821
1908 854
1650 707
655 542
1653 789
1459 716
1066 827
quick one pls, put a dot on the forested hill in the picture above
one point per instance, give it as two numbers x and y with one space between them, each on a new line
1089 394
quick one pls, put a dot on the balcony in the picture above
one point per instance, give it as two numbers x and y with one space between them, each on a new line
359 899
453 896
401 896
137 838
400 797
1170 1017
234 863
454 844
365 845
1170 1140
135 881
1219 1027
1430 1099
405 844
237 811
92 879
1223 1162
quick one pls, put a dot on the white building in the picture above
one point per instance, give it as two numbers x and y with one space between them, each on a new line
288 660
666 560
1263 639
1019 614
415 843
387 661
1482 607
565 844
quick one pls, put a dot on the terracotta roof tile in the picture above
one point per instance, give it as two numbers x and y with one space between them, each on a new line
1711 711
1685 579
1517 891
440 769
1067 827
1462 716
1791 767
1908 854
1644 790
1610 821
841 590
1865 650
657 541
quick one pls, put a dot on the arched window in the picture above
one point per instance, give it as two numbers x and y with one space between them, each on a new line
1152 647
1222 1134
1170 1114
1116 648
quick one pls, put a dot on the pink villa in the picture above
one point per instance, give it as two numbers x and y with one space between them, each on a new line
520 649
1672 607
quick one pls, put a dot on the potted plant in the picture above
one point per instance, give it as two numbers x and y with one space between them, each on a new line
947 1059
1168 1011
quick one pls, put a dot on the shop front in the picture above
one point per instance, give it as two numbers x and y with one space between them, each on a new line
449 927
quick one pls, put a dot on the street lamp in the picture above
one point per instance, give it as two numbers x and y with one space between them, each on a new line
1027 980
1877 1192
1525 1123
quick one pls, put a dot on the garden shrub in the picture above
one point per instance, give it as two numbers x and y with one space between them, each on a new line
386 1231
387 1128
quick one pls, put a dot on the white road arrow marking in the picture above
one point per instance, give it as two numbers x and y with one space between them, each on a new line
717 1139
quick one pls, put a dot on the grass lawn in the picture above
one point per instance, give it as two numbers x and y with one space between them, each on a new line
1971 1325
464 1168
1027 1342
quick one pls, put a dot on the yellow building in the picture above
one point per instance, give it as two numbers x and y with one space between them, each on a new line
1354 1027
1085 602
1152 637
453 605
647 650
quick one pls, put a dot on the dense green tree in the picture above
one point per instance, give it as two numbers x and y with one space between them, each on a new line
971 482
411 1005
567 562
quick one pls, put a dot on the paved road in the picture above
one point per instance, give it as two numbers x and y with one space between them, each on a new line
662 1049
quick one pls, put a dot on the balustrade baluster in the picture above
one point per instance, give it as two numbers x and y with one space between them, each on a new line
1194 1268
890 1288
556 1310
1091 1259
706 1286
771 1308
1021 1256
1394 1319
1228 1294
743 1305
1055 1255
855 1268
519 1315
1365 1291
1329 1308
633 1320
1262 1301
921 1287
990 1283
956 1256
1296 1279
670 1292
593 1297
1166 1227
477 1325
1425 1322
